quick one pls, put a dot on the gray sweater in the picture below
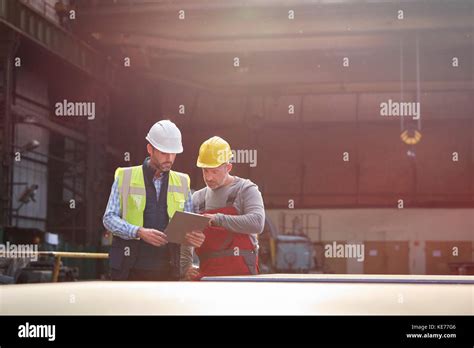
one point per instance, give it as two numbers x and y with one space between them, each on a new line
248 202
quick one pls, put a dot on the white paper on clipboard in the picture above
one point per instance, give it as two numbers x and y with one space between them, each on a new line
182 223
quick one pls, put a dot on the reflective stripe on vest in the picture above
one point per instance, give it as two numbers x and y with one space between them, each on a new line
131 186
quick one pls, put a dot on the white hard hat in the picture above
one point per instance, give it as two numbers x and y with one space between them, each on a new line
165 136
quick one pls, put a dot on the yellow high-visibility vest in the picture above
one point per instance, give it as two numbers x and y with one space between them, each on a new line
131 185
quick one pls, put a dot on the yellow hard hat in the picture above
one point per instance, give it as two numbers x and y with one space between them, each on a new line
214 152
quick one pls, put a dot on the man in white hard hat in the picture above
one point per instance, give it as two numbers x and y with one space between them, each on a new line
142 200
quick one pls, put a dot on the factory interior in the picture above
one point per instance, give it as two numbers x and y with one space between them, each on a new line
304 93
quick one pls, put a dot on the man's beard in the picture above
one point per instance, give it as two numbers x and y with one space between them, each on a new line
215 185
165 167
162 167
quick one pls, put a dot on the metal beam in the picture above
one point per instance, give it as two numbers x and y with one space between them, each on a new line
54 127
272 23
134 7
56 40
343 42
317 88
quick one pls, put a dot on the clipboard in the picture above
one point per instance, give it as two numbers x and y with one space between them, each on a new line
182 223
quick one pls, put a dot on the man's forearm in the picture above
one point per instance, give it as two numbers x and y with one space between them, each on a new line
248 223
119 227
112 220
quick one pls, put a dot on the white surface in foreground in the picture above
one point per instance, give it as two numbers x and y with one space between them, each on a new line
236 298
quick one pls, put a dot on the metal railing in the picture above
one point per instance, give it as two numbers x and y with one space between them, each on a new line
58 255
44 8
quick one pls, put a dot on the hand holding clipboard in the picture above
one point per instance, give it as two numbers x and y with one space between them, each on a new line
186 228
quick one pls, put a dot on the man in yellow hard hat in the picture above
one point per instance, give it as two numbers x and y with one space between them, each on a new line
142 201
235 206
